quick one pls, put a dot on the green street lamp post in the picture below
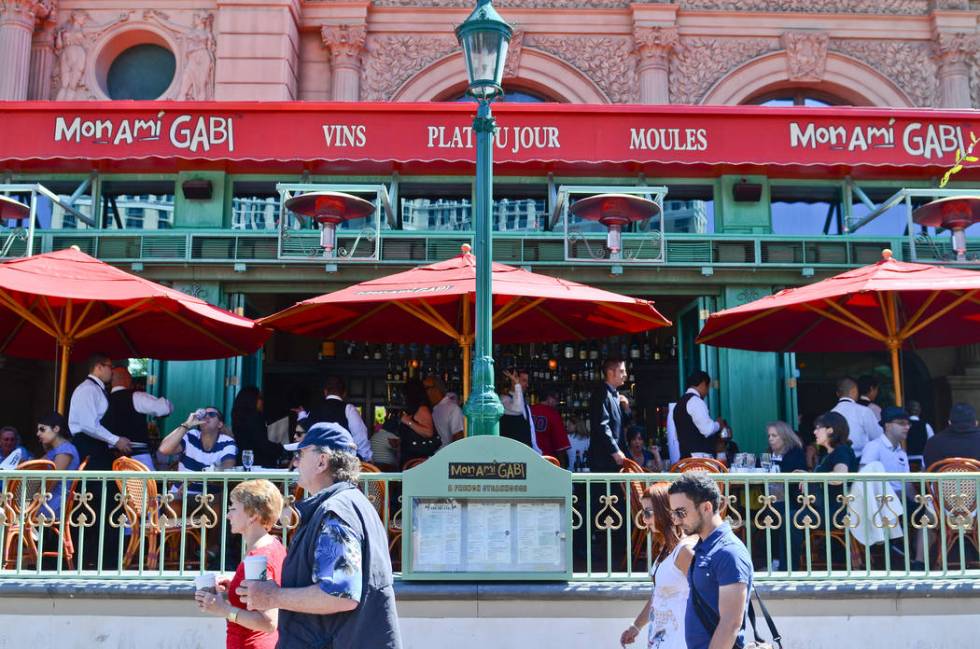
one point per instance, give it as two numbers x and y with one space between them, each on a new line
484 37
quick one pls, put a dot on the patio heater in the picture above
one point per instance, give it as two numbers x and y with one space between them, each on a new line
12 210
955 213
484 36
330 209
615 211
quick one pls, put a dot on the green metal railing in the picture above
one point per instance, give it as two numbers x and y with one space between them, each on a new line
797 526
223 246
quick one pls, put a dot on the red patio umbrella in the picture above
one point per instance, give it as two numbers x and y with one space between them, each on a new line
82 305
434 304
883 306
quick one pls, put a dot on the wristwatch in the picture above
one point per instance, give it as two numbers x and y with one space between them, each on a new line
232 615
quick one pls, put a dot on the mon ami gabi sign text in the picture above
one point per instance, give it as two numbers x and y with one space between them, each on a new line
396 133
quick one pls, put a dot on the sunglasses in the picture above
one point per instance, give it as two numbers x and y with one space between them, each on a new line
211 413
647 512
680 513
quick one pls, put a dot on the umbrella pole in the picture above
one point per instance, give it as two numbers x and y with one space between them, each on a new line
63 375
896 375
467 354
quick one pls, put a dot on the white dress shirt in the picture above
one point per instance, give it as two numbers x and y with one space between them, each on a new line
698 409
892 457
88 404
357 430
514 404
147 404
862 424
448 419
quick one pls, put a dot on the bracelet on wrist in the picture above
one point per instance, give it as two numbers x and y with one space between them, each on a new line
635 628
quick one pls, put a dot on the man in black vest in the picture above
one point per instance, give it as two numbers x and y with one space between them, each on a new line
335 409
127 413
336 580
609 414
695 429
919 433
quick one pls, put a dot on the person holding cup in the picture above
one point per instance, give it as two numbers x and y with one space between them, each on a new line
254 507
337 583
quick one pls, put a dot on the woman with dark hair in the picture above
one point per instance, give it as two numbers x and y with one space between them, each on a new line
638 453
832 434
415 428
52 432
251 430
672 555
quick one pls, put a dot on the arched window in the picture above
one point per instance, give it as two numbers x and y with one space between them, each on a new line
511 96
143 71
797 97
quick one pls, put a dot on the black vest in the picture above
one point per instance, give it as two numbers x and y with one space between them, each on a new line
122 419
918 436
330 410
374 623
689 437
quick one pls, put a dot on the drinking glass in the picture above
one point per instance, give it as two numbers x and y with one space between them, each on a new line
765 461
750 460
248 458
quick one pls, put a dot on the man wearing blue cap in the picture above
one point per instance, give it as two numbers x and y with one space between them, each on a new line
336 580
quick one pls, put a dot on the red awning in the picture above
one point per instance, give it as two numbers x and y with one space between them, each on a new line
382 137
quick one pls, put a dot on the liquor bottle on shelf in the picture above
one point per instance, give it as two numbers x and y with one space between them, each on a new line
673 347
634 350
569 351
583 352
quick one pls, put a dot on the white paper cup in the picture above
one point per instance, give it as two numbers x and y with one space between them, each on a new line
207 582
256 568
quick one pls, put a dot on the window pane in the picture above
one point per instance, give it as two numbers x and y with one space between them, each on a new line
805 210
141 72
255 206
690 209
436 207
893 223
138 205
55 215
780 101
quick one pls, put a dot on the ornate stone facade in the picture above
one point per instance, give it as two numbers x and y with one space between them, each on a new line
888 7
699 63
807 55
73 44
907 64
392 60
344 42
607 61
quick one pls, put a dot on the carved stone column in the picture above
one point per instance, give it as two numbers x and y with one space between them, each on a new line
953 53
42 61
654 45
345 44
17 21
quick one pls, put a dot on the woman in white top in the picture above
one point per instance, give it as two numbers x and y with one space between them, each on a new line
672 555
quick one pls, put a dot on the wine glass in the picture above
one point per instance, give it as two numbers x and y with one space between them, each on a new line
248 458
765 461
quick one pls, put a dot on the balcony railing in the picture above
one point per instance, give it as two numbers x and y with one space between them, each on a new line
796 526
412 248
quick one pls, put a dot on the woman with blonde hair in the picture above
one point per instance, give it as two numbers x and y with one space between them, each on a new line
672 555
254 507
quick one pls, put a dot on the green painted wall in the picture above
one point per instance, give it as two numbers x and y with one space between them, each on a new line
193 384
750 383
742 217
195 213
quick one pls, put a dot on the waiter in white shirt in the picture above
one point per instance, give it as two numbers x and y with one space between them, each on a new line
127 413
89 403
696 429
517 422
861 422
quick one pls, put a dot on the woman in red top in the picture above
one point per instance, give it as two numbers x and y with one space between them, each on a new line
254 507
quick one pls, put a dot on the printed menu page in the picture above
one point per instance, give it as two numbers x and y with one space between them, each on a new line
539 535
438 535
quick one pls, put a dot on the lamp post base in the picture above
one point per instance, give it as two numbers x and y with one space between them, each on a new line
483 409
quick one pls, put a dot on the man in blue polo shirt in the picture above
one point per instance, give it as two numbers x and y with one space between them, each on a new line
721 572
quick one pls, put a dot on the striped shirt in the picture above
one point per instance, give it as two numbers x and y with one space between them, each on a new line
193 457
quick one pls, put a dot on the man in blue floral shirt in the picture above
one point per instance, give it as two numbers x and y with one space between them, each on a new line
336 580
